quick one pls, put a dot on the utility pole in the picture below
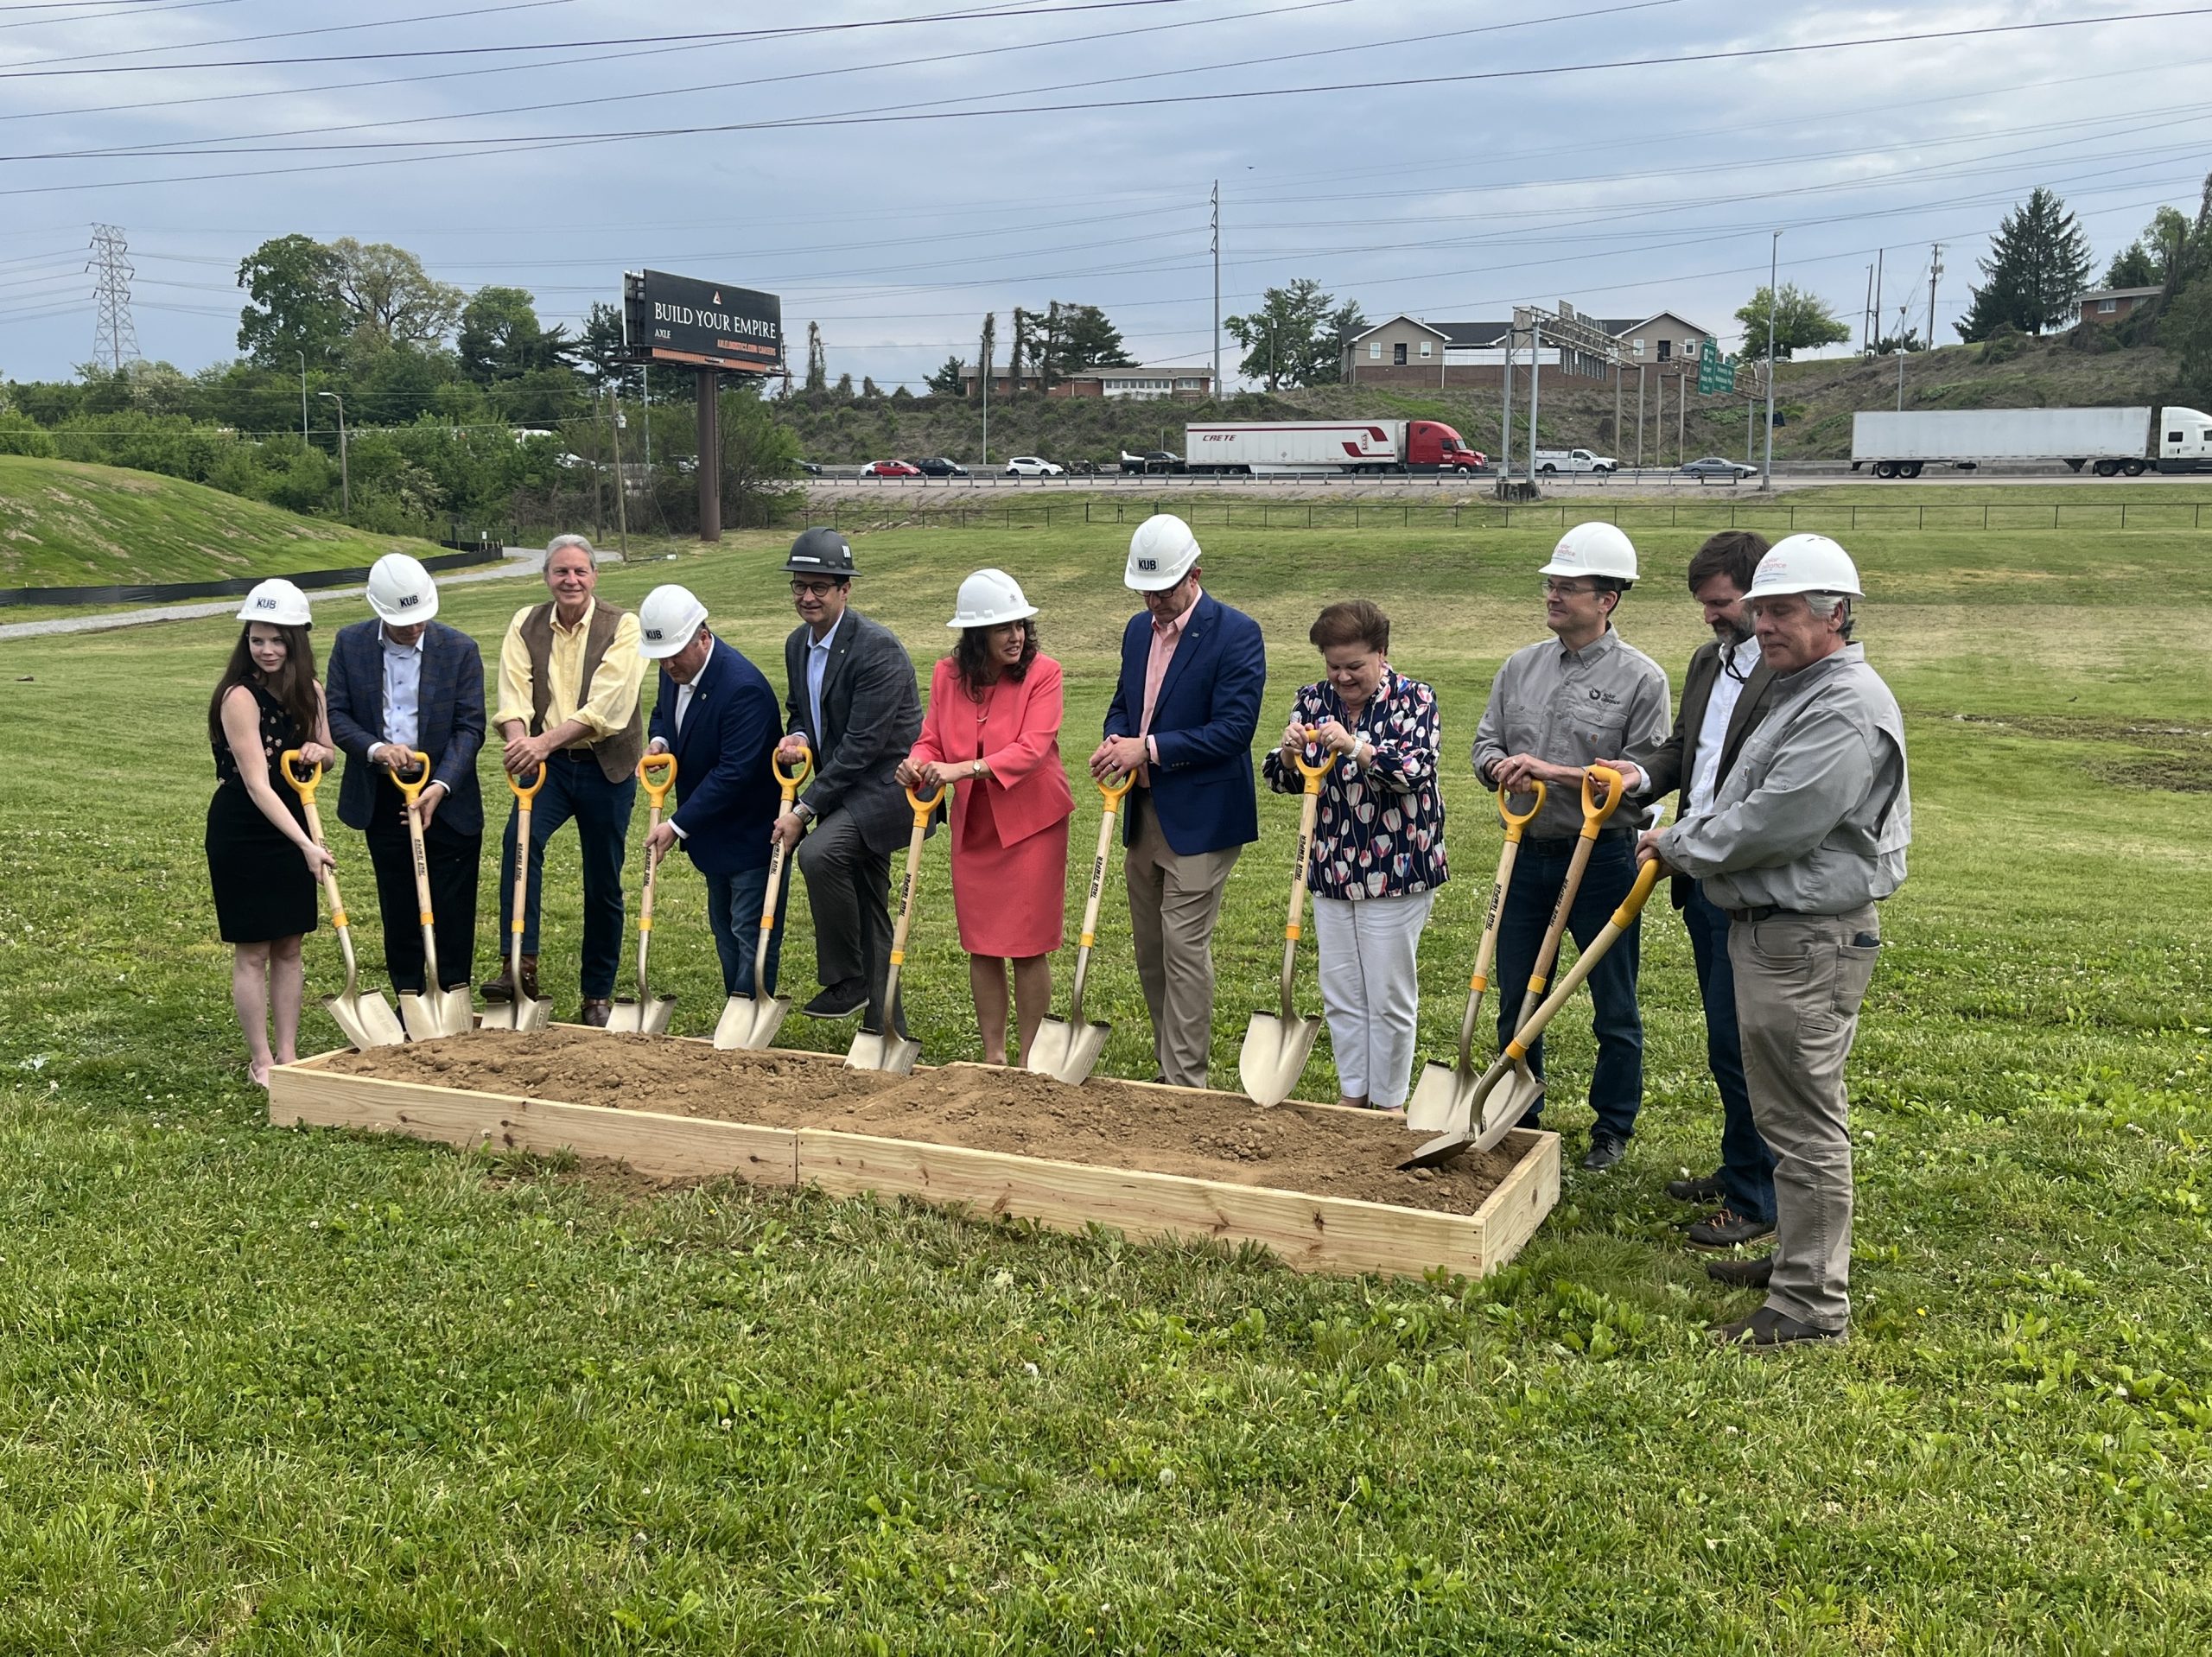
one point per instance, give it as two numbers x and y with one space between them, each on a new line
1217 291
1866 316
621 486
1935 270
1901 359
1773 270
303 356
114 335
1879 254
1505 424
1639 416
345 470
1681 416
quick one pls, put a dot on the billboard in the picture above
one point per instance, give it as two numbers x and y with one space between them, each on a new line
709 325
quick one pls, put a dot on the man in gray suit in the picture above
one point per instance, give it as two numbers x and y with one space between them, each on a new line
1725 696
854 704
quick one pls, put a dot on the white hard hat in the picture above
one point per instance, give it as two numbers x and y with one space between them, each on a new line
1161 553
277 602
1593 550
667 621
400 590
988 598
1805 563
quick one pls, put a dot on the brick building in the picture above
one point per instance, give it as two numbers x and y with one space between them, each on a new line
1137 380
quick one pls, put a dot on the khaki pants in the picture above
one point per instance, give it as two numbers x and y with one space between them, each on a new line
1799 982
1174 902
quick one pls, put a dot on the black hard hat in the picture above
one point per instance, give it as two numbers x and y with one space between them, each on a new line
821 551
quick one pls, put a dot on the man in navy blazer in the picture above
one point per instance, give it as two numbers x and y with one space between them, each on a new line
404 682
1183 717
714 711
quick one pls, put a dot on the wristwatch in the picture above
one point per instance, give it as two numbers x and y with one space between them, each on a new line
975 768
803 811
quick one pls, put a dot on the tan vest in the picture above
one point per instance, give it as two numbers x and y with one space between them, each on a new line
618 755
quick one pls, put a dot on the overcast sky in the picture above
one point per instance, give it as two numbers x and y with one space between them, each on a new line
1517 173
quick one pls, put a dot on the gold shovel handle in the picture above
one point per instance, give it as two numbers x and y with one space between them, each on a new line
657 792
302 786
421 769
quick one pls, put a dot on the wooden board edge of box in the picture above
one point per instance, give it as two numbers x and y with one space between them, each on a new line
1337 1234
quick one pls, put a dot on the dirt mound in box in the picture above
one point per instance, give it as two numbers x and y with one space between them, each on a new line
1322 1150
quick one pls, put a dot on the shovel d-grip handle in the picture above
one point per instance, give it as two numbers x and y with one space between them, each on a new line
1515 821
421 769
526 794
791 781
1594 815
656 793
302 786
1115 792
925 803
1314 772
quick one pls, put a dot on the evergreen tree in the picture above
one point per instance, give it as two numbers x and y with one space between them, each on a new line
985 348
1083 338
817 362
2038 264
945 383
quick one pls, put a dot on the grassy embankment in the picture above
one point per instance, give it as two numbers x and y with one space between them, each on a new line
266 1392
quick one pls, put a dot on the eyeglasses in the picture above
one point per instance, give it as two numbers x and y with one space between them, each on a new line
813 589
1555 589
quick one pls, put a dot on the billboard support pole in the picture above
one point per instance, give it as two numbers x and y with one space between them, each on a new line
710 456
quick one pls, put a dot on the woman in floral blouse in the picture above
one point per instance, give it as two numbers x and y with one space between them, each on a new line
1378 844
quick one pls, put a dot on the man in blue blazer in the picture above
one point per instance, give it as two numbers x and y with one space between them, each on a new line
403 683
1183 717
714 711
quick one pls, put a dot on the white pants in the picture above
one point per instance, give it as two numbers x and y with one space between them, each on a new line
1371 991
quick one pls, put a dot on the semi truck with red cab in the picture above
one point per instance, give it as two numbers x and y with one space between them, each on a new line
1288 447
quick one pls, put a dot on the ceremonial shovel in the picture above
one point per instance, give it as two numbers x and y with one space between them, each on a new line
1443 1094
1276 1049
649 1014
365 1016
885 1049
1068 1048
1481 1128
752 1021
435 1012
522 1012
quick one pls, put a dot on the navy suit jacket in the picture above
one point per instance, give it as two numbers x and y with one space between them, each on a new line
448 721
725 787
1202 724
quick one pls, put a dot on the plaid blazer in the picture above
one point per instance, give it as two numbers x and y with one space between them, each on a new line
450 720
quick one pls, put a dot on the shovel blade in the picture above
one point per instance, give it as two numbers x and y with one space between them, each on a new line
1067 1051
435 1014
641 1018
750 1022
1502 1109
1443 1098
1274 1055
366 1018
889 1052
521 1014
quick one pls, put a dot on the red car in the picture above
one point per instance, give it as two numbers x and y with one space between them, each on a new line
890 469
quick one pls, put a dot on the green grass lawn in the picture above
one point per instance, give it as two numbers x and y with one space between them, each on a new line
65 524
266 1392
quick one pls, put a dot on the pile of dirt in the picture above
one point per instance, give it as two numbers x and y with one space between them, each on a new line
1324 1151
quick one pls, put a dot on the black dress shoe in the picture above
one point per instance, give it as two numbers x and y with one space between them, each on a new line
595 1013
1767 1327
1725 1228
1606 1150
1707 1189
1742 1273
839 1000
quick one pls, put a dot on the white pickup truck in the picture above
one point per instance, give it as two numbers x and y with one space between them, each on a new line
1574 460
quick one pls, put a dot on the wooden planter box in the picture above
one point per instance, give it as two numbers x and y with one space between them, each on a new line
1336 1234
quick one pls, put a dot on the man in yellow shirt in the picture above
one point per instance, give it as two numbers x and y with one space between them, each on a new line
568 677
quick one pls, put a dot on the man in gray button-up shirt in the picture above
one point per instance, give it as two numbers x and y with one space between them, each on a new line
1580 696
1807 833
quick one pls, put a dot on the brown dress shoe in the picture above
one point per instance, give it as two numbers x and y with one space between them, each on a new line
595 1013
501 989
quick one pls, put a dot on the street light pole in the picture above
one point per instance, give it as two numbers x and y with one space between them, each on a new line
303 356
1773 270
344 471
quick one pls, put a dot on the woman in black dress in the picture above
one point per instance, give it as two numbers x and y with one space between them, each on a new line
261 860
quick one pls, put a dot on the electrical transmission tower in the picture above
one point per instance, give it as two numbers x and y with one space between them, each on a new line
115 339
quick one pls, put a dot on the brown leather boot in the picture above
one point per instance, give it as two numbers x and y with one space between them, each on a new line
502 988
595 1013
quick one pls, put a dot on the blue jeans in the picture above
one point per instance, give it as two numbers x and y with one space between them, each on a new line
734 905
1746 1164
576 787
1616 1085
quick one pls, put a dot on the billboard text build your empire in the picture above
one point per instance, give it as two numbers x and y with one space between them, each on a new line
711 324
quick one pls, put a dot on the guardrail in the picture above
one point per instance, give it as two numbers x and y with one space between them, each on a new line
1708 516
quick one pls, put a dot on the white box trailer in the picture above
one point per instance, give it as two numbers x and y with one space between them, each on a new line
1282 447
1900 443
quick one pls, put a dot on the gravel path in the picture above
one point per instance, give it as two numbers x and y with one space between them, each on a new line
107 620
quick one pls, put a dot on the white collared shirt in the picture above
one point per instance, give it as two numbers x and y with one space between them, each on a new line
817 669
1712 735
403 688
